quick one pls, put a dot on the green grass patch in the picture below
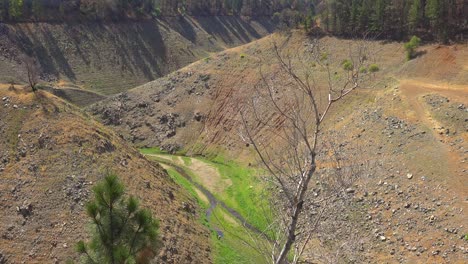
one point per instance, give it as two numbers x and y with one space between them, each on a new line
246 195
236 246
155 150
187 161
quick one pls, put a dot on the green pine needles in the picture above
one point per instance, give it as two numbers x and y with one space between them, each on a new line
120 228
411 46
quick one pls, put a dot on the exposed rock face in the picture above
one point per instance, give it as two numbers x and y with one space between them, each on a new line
50 158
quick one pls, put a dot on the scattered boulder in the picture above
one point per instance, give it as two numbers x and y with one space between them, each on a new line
25 209
198 116
142 105
3 258
171 148
105 146
188 208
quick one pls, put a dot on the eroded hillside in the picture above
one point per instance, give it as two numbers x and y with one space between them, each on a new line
110 57
408 121
207 95
51 155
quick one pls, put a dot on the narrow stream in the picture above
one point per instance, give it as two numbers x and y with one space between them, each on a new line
213 201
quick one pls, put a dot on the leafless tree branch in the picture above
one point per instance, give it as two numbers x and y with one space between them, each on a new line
293 116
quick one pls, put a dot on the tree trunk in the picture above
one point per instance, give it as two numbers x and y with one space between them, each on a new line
282 258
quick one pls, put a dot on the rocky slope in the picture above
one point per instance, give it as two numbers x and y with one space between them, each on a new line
408 123
207 95
110 57
51 155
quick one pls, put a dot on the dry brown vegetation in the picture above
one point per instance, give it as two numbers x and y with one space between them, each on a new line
410 205
408 125
51 155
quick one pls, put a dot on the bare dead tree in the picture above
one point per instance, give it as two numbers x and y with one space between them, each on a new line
289 111
32 70
335 232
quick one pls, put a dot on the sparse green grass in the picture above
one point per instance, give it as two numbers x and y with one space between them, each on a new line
14 128
187 185
180 180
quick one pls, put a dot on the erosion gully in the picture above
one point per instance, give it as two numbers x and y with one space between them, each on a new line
213 201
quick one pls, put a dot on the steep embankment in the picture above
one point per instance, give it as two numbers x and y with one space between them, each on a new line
51 155
408 124
207 95
110 57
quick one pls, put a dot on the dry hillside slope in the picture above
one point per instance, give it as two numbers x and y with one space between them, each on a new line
110 57
409 122
207 95
51 155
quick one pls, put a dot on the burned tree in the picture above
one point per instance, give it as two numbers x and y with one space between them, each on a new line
290 108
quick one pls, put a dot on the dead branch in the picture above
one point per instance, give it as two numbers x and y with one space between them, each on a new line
292 116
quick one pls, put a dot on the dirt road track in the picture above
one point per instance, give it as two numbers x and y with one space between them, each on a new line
413 92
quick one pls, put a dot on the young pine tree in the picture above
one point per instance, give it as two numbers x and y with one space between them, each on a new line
411 46
121 229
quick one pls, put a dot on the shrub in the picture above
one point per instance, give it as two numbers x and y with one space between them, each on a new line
156 12
373 68
411 46
347 65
